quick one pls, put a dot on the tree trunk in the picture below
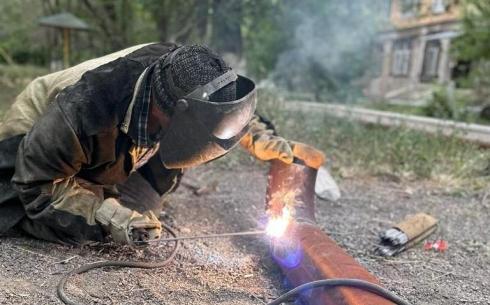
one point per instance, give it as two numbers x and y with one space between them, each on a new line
227 34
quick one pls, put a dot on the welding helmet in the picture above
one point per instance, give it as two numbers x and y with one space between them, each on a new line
202 129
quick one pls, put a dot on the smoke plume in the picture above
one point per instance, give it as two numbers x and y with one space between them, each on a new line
331 46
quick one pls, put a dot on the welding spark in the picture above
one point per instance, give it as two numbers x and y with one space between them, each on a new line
278 224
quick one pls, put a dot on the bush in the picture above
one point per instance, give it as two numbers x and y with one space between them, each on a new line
448 103
480 79
441 105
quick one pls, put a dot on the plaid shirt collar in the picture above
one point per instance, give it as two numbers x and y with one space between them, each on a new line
138 129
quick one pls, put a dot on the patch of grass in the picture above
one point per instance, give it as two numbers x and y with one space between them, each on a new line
13 79
373 150
15 75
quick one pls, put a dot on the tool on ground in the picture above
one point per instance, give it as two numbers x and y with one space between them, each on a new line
439 245
409 232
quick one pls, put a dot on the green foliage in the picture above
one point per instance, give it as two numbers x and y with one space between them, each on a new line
442 105
19 74
19 32
474 44
264 38
319 47
479 79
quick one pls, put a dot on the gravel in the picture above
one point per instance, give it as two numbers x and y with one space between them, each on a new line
240 271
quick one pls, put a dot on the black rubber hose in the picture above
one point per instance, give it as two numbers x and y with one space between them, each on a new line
376 289
127 264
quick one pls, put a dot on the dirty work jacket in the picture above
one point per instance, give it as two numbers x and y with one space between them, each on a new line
69 125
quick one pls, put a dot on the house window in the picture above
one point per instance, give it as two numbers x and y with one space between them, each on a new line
409 8
400 64
439 6
431 60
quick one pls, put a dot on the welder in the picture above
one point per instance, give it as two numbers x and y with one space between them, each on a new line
91 151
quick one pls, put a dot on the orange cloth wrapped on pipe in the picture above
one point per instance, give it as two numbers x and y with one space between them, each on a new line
310 155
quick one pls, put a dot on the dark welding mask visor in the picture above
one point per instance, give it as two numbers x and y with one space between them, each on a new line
202 130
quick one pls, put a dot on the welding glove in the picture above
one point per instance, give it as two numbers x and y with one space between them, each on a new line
311 156
128 226
261 143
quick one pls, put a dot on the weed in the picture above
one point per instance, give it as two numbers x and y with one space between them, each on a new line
13 78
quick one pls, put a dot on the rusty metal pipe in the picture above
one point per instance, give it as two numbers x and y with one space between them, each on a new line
307 254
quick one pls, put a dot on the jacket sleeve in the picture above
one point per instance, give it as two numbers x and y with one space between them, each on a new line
48 158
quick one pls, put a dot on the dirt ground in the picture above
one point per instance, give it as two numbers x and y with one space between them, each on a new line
239 271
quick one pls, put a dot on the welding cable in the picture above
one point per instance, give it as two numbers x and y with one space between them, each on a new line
125 264
364 285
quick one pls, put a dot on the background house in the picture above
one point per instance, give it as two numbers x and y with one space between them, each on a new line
416 50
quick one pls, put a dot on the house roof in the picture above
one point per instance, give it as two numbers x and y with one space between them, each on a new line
64 21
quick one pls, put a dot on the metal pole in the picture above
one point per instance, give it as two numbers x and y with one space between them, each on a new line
66 48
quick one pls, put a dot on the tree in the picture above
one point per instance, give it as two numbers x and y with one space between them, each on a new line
227 26
474 46
263 35
178 21
113 19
